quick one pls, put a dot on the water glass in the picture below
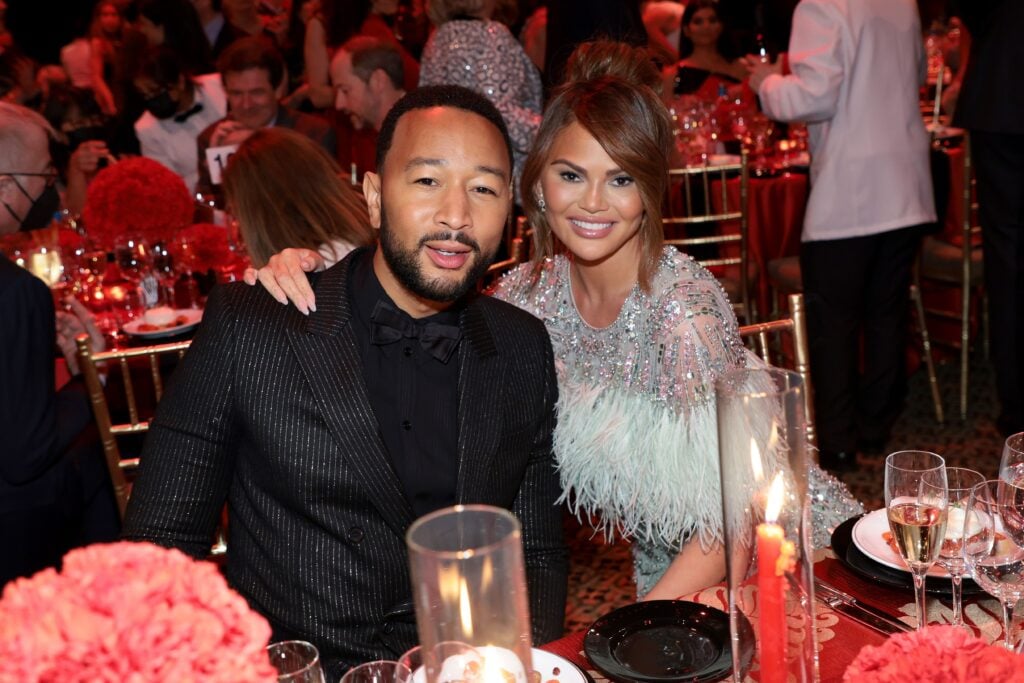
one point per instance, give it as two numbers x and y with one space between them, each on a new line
951 556
917 501
995 558
380 671
296 661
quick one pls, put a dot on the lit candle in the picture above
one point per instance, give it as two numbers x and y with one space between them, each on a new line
353 175
938 95
774 557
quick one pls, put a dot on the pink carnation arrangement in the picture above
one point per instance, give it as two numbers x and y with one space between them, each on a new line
137 198
938 654
130 612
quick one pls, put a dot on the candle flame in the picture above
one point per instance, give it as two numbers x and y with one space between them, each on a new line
775 498
755 460
465 610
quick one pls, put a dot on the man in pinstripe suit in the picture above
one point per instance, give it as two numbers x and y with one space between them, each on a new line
328 433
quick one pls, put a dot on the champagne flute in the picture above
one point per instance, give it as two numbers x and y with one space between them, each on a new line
916 500
951 556
1011 473
995 558
381 671
296 661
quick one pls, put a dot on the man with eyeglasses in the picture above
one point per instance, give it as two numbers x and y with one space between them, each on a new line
55 492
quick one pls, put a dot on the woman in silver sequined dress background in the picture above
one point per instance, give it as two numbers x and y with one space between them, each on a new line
640 331
469 49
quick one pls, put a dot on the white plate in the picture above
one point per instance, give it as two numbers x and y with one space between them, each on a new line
723 159
193 315
867 536
543 662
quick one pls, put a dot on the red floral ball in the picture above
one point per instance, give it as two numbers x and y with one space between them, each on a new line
137 198
130 612
202 246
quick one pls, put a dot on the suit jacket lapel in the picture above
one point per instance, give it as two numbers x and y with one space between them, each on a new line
328 354
481 384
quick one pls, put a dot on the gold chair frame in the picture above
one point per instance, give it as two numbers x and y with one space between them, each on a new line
761 336
706 173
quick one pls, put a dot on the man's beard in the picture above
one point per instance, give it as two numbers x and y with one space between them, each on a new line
405 265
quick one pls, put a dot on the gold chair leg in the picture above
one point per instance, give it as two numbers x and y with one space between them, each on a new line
965 345
926 343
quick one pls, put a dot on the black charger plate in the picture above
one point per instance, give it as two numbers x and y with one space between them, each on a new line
855 560
666 641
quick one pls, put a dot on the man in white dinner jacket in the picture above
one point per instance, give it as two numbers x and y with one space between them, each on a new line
856 67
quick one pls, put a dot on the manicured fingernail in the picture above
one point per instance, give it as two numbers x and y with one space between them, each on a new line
312 306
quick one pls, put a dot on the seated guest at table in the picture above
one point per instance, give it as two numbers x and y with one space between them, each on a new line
179 107
286 191
175 25
328 435
253 73
705 59
593 186
55 492
855 79
218 30
368 77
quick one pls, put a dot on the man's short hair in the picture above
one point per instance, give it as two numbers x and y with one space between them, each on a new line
369 54
252 53
427 97
163 66
17 126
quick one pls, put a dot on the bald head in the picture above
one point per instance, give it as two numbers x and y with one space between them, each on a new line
24 148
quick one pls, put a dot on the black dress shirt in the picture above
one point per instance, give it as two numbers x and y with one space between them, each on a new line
413 395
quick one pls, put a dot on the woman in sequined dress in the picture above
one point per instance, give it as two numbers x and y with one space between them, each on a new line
640 331
471 50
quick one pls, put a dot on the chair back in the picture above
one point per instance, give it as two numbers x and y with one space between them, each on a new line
700 196
765 341
518 252
120 468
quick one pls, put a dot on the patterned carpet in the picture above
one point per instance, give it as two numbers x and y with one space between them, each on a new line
600 577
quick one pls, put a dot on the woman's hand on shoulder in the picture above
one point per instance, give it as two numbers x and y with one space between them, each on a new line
284 277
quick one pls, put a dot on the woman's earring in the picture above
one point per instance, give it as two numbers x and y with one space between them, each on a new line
541 204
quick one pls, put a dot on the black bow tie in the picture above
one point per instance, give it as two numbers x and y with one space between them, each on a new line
186 115
388 325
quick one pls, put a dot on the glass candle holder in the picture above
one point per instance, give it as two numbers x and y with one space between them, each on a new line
766 512
469 587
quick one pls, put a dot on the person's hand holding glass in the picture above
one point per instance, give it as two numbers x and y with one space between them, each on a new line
994 557
951 555
916 500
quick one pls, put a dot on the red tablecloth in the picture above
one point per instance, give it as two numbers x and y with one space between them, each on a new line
839 637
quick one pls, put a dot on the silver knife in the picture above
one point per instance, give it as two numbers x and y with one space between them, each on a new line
845 603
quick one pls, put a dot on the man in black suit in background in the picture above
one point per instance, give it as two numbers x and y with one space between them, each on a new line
989 106
401 393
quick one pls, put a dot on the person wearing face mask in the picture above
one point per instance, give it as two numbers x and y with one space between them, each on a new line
55 492
178 108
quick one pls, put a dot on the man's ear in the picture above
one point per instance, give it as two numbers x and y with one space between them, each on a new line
377 81
371 190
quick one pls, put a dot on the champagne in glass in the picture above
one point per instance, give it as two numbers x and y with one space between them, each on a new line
951 556
917 498
1011 473
995 558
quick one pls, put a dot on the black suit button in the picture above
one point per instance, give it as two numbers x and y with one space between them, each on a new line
389 628
407 351
355 534
406 425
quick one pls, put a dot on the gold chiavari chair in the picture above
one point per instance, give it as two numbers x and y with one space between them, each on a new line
959 266
518 252
764 339
699 186
122 469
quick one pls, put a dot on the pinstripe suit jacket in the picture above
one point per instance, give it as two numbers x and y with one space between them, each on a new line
269 411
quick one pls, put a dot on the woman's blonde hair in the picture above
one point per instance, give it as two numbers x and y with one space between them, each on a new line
443 11
286 191
616 105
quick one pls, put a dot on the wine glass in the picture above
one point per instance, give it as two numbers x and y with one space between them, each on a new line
458 662
296 661
951 557
995 558
916 500
381 671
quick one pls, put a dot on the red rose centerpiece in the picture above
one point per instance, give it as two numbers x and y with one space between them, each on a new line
202 247
138 199
936 654
130 612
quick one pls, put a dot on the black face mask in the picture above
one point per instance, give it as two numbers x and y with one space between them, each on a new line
161 105
41 212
